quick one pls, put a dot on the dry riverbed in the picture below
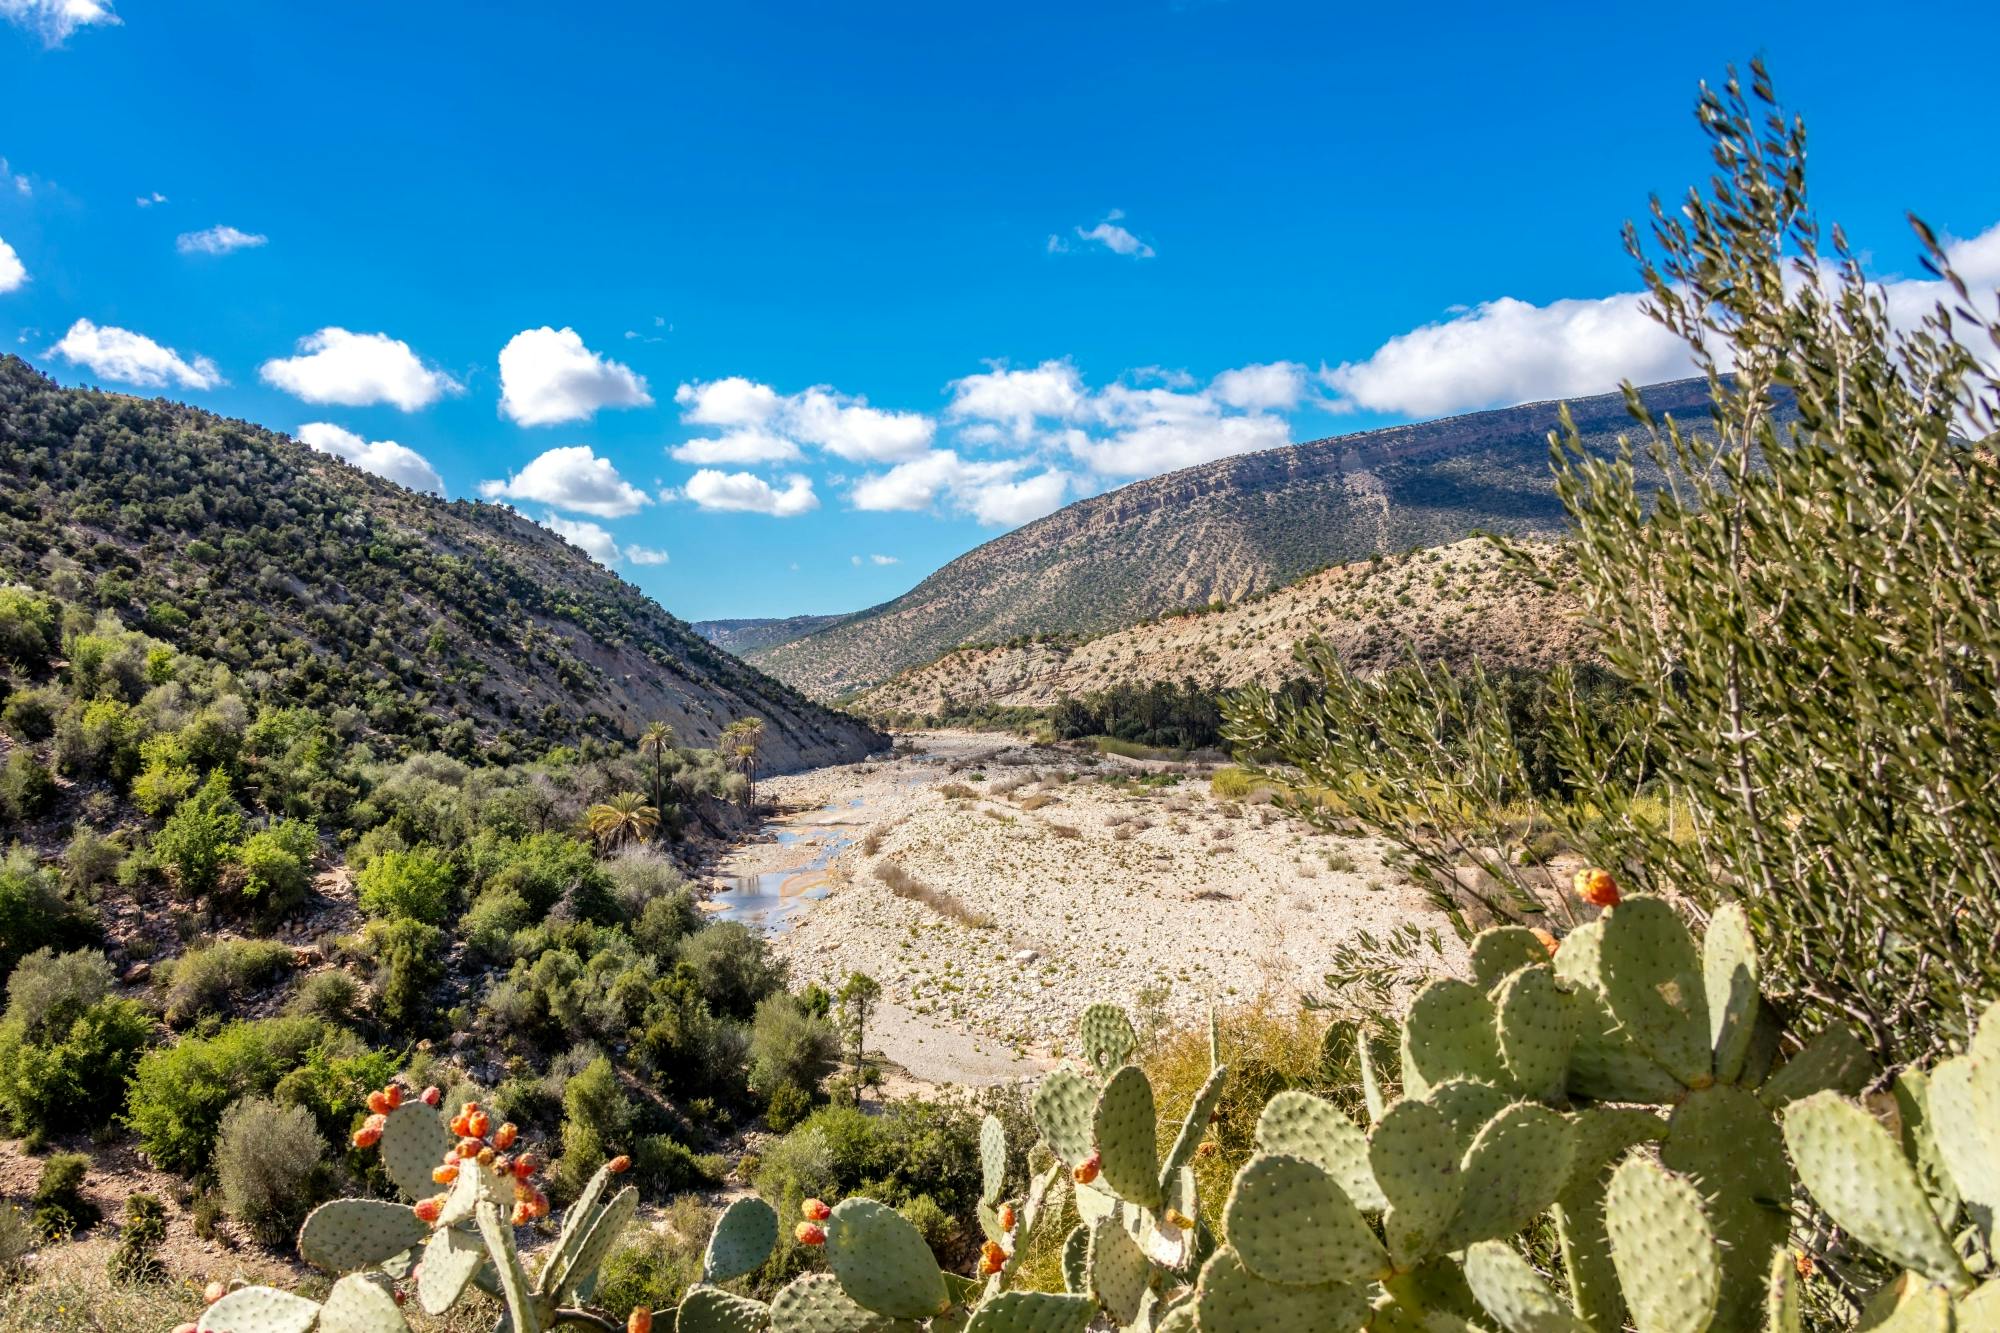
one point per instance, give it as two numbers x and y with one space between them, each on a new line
1038 880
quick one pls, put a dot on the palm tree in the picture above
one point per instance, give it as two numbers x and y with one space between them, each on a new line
739 742
656 743
624 817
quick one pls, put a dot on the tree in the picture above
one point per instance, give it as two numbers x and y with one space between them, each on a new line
739 743
200 836
624 818
656 743
857 997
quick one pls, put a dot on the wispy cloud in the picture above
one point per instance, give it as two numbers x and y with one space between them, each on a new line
148 200
217 241
13 273
385 458
54 20
1108 233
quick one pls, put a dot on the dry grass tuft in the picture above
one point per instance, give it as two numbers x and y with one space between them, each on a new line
1037 801
956 791
905 885
1065 831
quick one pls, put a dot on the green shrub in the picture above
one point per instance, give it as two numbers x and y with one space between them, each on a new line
144 1231
30 715
407 965
34 914
48 990
100 739
597 1122
788 1105
205 980
200 837
413 885
654 1266
277 866
179 1092
789 1048
733 966
490 924
28 629
27 788
61 1211
90 860
663 1166
665 921
270 1162
70 1075
330 996
332 1083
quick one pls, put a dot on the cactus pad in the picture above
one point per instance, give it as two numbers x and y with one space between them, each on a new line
1912 1092
1602 1064
1603 1136
706 1309
1652 980
1663 1248
1076 1259
1195 1124
1782 1312
1501 951
1508 1286
1731 979
741 1241
361 1303
1536 1027
1450 1033
1858 1174
451 1258
414 1141
1833 1061
1107 1037
1303 1125
259 1310
1063 1105
1511 1174
1033 1312
1909 1304
1466 1106
348 1235
1117 1271
1965 1120
1126 1128
992 1159
514 1290
590 1247
1289 1223
882 1261
1232 1299
1725 1142
1414 1157
816 1303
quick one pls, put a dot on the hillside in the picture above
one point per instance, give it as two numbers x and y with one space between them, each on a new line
1456 603
748 636
1220 532
453 625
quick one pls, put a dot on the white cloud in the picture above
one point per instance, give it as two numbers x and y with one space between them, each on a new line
356 370
217 241
1016 398
645 555
885 560
55 20
133 358
1108 234
761 425
1261 388
1012 503
743 492
18 179
572 478
1176 440
988 490
1509 351
548 376
385 458
597 543
13 273
148 200
748 445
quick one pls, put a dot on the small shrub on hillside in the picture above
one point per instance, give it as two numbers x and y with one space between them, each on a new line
199 838
905 885
270 1163
206 980
333 1080
49 990
597 1121
639 876
654 1266
665 922
663 1166
30 715
788 1105
789 1048
331 996
61 1211
90 861
70 1075
407 965
34 914
407 886
179 1092
277 866
733 966
27 788
490 924
140 1236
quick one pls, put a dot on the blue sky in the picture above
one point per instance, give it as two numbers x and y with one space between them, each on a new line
777 308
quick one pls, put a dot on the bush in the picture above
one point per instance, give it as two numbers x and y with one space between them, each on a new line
415 885
30 715
271 1165
33 912
277 866
206 980
597 1121
490 924
90 860
654 1266
333 1082
789 1048
49 990
199 838
788 1105
733 967
61 1211
28 629
179 1092
17 1238
70 1075
137 1258
330 996
27 788
662 1165
406 965
665 922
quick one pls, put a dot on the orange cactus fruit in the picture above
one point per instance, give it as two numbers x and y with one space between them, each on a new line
367 1136
991 1258
427 1210
1087 1170
444 1175
524 1166
815 1210
522 1214
478 1124
1006 1217
433 1097
214 1292
538 1202
378 1102
1546 940
619 1165
503 1137
1595 886
639 1321
393 1094
469 1147
810 1233
460 1125
486 1156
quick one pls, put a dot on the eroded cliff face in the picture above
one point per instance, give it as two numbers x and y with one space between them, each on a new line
1221 531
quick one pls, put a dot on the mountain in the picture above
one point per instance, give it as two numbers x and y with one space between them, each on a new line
1221 531
748 636
1456 604
428 623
